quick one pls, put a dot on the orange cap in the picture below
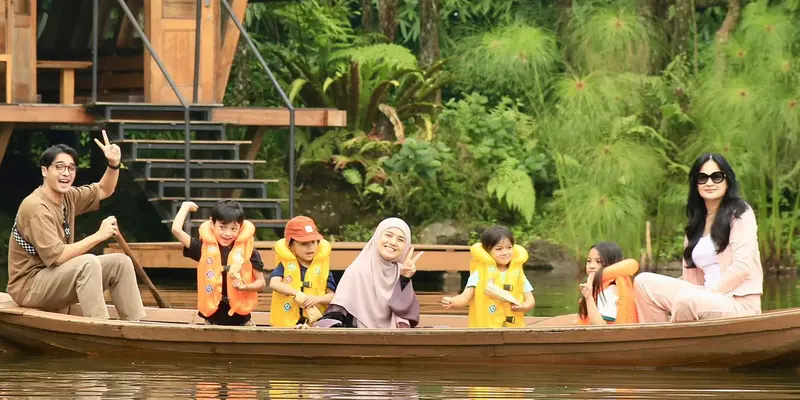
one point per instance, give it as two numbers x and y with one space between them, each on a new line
302 229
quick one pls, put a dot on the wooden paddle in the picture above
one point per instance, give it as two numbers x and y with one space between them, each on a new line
140 271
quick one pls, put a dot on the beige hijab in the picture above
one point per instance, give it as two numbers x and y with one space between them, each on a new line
368 283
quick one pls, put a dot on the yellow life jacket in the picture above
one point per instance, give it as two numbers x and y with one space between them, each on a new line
486 312
284 310
210 270
621 274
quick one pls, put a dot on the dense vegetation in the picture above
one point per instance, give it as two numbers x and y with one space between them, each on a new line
572 121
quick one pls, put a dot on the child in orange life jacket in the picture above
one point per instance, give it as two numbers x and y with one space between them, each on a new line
607 295
496 266
229 270
302 282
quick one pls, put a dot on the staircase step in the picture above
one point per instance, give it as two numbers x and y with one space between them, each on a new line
170 205
259 223
150 164
210 201
181 142
180 161
137 145
158 122
208 180
161 184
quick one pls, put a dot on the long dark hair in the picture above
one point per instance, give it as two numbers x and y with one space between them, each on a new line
610 254
732 206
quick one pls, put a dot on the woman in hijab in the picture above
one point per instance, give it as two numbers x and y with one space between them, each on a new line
375 290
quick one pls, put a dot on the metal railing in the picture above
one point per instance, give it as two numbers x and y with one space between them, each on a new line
195 88
283 95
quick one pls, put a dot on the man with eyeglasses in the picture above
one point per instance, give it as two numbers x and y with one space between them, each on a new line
47 269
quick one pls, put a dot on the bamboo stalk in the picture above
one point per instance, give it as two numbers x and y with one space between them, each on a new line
649 241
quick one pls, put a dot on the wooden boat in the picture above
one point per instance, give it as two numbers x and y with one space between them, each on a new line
768 340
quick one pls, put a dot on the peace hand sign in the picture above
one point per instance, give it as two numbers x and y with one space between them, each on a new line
111 151
409 267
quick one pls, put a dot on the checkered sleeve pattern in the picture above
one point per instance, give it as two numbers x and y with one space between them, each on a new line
29 247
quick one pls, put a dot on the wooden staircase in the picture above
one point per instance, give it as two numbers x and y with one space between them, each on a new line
153 150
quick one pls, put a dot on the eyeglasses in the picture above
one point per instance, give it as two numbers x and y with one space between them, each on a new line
716 177
62 167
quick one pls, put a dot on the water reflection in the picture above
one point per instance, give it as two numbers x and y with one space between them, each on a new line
108 379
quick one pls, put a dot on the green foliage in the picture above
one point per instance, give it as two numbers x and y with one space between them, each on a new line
515 186
498 62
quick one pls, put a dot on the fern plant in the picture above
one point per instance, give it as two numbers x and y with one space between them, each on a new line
515 186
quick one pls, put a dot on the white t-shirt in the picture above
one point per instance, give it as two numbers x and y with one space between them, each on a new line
607 303
704 256
475 277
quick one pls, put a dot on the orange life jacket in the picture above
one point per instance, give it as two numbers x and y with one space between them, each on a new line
621 275
210 270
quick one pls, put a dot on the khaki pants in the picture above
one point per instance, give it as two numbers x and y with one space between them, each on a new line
83 280
662 298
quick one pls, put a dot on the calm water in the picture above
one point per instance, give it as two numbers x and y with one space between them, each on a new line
86 378
91 379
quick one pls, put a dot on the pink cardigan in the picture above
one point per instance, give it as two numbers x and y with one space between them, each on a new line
740 262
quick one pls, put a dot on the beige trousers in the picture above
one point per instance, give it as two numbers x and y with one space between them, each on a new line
83 280
662 298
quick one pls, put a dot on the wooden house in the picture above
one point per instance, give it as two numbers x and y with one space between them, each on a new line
133 66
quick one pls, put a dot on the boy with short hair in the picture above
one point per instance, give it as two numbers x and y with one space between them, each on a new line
229 269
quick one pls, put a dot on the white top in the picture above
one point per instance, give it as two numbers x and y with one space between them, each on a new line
704 256
607 303
474 277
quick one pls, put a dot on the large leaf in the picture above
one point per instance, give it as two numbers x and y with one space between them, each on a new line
516 187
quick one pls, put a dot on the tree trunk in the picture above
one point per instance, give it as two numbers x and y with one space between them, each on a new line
387 13
429 32
682 26
429 16
367 17
729 24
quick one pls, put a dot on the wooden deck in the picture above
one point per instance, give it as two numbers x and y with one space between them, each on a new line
437 258
62 114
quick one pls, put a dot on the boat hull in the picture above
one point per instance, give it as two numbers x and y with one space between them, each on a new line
768 340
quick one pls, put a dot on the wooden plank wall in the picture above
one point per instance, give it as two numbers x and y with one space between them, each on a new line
170 26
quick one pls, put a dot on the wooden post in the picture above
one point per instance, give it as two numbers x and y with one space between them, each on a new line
649 242
23 36
5 138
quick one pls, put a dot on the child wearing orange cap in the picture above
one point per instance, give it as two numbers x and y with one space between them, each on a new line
302 284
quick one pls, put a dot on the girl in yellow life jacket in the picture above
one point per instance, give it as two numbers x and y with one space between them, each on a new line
496 272
607 295
302 283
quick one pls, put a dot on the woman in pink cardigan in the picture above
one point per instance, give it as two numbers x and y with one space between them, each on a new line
722 275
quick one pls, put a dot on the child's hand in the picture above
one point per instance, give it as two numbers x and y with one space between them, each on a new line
447 302
586 288
311 301
239 284
301 298
189 205
301 326
515 307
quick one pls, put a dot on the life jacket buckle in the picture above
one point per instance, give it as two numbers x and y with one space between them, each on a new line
508 287
510 319
306 284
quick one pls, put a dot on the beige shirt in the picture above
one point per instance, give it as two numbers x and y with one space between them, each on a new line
41 223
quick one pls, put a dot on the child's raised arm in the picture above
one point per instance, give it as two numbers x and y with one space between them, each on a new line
177 224
459 301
